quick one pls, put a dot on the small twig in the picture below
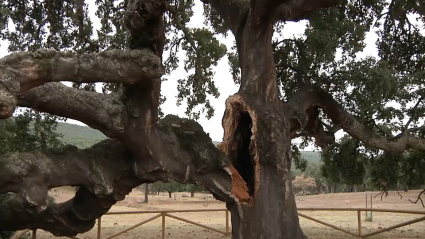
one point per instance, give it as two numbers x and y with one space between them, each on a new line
419 198
382 193
399 193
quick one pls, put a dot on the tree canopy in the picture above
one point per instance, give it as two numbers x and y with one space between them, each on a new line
383 90
307 86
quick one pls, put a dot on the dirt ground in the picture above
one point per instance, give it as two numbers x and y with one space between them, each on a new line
175 229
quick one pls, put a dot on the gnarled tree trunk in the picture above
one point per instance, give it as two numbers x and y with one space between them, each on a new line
257 138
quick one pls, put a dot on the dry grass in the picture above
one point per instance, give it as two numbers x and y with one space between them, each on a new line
180 230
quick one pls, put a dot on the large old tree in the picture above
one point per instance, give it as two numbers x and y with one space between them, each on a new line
289 88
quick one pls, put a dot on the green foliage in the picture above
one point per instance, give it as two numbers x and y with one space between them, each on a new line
299 161
30 131
396 171
192 188
380 91
201 55
344 163
27 132
80 136
60 25
66 25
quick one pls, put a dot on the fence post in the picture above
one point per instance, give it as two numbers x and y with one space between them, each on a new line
227 222
99 227
359 222
366 207
163 225
34 234
371 202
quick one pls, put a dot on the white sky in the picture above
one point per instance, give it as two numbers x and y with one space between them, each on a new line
222 78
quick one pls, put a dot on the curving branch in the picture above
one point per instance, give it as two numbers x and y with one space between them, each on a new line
179 150
20 72
104 112
304 100
103 173
419 198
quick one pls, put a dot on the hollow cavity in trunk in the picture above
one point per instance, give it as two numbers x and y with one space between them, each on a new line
244 162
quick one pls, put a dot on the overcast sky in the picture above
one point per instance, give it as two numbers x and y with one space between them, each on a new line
222 78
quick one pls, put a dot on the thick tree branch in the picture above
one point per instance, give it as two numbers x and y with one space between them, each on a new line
20 72
31 69
350 124
104 112
105 173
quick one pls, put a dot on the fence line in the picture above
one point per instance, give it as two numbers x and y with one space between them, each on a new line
359 223
163 214
167 213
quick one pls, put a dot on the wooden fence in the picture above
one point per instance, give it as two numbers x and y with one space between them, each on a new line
163 215
359 219
167 213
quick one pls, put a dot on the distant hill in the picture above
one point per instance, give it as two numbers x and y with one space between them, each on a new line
311 156
80 136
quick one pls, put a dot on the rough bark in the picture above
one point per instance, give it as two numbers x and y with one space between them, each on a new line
192 194
23 71
107 112
258 127
257 138
104 173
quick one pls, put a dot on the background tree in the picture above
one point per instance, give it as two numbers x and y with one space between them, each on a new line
27 132
192 188
307 86
344 163
314 171
303 183
172 187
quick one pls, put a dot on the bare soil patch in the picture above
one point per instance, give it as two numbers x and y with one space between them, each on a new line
112 224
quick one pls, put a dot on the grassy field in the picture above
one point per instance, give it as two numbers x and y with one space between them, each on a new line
180 230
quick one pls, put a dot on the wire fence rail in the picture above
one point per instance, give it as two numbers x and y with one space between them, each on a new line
169 213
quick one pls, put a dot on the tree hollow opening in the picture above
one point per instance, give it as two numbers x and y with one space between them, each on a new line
244 162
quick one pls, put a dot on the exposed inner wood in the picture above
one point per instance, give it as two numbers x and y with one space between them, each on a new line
239 144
